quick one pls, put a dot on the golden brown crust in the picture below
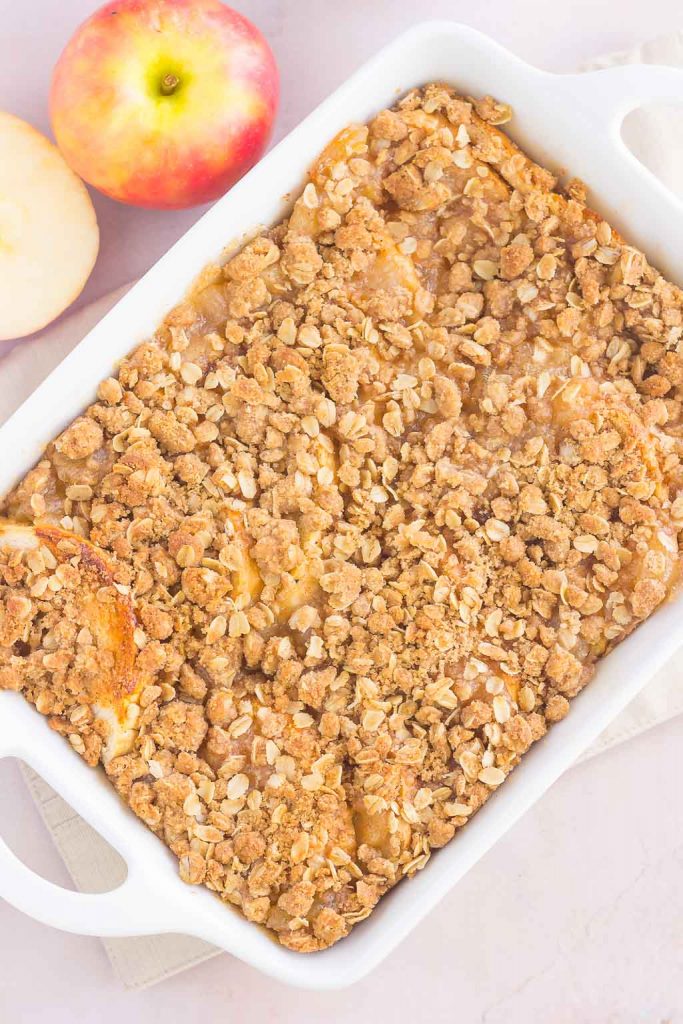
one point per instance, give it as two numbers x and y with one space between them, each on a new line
381 492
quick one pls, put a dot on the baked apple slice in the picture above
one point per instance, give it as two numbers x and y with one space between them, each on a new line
245 577
67 635
247 582
48 231
295 590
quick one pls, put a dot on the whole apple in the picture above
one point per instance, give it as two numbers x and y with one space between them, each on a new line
164 103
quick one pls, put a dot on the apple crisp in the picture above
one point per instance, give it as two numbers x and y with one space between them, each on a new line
344 538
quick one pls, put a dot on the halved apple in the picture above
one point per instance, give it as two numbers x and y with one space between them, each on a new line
48 230
110 686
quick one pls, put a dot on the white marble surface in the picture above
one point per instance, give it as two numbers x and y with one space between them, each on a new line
576 917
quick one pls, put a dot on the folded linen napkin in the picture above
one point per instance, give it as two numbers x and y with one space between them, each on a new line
93 864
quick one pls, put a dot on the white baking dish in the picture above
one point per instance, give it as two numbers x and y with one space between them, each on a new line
570 121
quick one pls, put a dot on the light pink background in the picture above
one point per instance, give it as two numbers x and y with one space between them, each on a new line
576 917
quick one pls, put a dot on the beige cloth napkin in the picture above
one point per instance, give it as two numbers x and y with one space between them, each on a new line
656 137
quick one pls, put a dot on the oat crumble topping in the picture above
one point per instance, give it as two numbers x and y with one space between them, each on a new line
337 544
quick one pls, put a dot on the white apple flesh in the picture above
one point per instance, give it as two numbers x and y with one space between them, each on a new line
48 230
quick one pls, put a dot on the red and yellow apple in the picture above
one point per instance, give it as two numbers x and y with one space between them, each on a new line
164 103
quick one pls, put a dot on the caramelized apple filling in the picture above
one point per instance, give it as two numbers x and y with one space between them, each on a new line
342 540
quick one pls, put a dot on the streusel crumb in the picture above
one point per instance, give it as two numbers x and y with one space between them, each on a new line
338 543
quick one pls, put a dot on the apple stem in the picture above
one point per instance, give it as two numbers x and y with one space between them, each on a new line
169 84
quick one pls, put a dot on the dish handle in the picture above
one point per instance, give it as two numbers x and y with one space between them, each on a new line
109 913
612 93
131 909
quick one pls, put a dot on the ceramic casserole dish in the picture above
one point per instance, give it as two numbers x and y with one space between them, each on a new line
562 121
